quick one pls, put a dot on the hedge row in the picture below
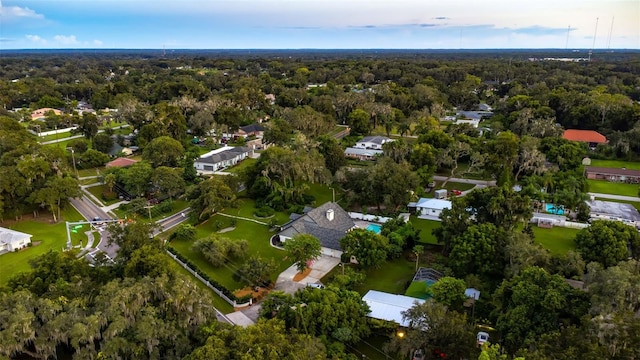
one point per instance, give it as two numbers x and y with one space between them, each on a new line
228 293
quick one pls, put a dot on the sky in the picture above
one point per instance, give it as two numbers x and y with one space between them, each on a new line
319 24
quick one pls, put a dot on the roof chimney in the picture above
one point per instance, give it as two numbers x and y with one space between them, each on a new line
330 214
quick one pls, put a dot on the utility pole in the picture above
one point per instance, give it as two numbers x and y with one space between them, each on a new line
73 156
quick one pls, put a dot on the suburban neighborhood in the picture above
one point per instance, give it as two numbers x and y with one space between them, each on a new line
382 208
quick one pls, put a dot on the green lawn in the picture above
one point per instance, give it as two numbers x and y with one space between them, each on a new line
425 227
558 240
88 172
258 237
418 289
97 192
55 136
242 165
618 164
246 208
605 187
51 237
62 144
218 302
392 277
323 193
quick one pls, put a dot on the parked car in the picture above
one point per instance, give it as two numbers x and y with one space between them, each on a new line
456 192
482 337
315 285
418 355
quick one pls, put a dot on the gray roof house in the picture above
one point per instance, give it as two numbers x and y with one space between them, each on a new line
221 158
328 222
372 142
11 240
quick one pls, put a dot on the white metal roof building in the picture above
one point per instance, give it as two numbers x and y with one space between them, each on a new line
386 306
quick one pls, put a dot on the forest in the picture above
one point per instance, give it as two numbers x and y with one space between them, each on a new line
176 106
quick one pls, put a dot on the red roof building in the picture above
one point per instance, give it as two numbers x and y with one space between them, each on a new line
588 136
121 162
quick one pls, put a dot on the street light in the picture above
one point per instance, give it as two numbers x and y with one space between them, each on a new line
73 156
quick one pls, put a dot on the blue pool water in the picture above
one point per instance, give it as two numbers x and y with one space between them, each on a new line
552 209
374 227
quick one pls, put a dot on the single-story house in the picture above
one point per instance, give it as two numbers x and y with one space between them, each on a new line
386 306
121 162
372 142
429 208
484 107
221 158
11 240
475 115
328 222
42 113
613 174
473 122
362 154
256 130
593 138
608 210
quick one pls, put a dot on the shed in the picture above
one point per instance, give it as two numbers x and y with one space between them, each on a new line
440 194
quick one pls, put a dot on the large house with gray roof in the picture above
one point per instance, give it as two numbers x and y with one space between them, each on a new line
11 240
222 158
328 222
372 142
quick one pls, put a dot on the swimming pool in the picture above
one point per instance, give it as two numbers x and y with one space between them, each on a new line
375 228
552 209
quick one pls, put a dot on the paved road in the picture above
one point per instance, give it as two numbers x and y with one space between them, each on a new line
89 210
171 221
616 197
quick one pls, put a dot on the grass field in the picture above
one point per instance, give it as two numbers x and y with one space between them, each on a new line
425 227
618 164
605 187
97 192
258 237
220 304
51 237
558 240
418 289
392 277
242 165
246 208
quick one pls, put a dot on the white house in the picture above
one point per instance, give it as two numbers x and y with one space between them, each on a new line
372 142
221 158
473 122
362 154
328 223
430 208
11 240
385 306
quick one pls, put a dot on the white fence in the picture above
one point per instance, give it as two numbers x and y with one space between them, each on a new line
52 132
206 282
367 217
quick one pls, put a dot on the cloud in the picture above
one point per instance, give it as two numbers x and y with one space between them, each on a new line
3 40
9 14
441 18
36 39
540 30
66 40
97 42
